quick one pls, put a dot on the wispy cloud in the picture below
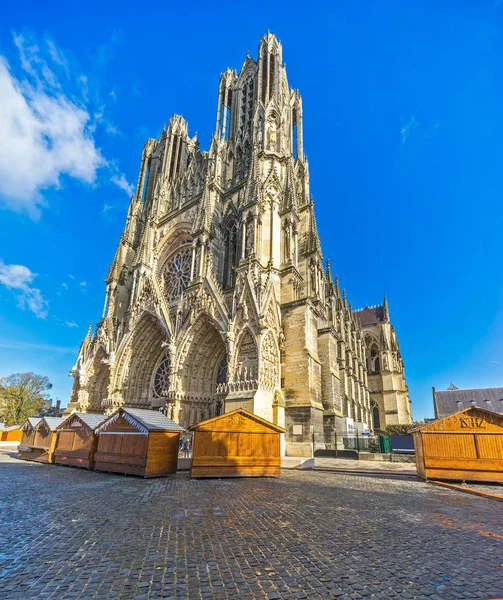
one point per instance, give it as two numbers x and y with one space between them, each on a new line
18 279
407 129
71 324
44 134
71 276
13 345
48 126
106 207
83 285
121 181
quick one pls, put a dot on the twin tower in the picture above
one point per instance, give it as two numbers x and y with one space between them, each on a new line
218 296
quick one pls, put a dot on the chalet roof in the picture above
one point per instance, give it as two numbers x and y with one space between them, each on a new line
370 315
12 427
33 421
452 400
52 422
152 419
434 425
90 419
244 413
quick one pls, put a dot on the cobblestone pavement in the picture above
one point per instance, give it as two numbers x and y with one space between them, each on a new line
68 533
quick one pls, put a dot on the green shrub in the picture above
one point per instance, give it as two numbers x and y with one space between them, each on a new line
402 429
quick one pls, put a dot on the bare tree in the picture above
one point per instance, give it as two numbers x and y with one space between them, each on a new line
22 395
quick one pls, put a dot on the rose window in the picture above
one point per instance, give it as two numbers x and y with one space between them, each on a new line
177 274
161 379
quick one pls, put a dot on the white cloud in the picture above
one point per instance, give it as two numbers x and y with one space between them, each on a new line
18 278
71 324
46 127
122 182
83 284
408 128
71 276
106 207
64 285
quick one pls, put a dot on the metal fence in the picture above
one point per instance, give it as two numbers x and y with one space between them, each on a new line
361 443
383 444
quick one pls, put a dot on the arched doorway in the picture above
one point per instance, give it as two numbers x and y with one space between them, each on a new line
203 375
140 360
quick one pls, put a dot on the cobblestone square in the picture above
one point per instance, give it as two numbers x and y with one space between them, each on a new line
69 533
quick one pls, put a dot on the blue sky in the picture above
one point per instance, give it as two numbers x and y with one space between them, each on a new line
403 128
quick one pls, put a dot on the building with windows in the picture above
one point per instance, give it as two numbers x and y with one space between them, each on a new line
218 297
452 400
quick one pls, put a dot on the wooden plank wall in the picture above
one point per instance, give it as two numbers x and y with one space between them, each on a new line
76 448
162 455
463 455
235 454
120 453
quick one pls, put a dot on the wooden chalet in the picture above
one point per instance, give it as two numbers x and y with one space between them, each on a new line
41 445
27 437
466 446
14 433
236 444
138 442
77 440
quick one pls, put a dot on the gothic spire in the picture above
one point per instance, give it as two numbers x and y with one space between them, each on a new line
330 279
290 202
143 253
385 309
313 239
204 217
116 267
253 188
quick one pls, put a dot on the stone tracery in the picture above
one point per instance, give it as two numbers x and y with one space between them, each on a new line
176 274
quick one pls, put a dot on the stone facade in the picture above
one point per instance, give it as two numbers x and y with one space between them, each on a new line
218 297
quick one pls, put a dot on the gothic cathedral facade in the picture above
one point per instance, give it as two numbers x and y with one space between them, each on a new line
218 297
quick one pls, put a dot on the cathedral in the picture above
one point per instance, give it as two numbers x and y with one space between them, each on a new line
218 297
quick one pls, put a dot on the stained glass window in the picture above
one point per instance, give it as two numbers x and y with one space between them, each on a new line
177 274
161 379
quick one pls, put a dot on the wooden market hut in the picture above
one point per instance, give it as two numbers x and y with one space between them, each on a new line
40 447
77 440
466 446
27 437
138 442
236 444
14 433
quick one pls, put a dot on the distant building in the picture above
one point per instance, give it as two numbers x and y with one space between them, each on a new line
453 400
48 410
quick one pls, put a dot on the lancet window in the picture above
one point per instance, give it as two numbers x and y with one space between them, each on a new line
230 254
161 378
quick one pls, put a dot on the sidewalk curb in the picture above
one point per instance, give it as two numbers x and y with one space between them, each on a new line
366 472
461 488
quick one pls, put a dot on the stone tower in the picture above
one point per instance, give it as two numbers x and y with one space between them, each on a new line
389 394
217 296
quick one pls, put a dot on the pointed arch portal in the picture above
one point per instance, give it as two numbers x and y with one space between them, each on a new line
204 369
